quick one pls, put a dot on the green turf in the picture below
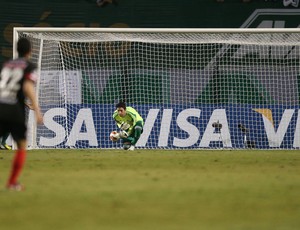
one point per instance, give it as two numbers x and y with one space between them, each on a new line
153 189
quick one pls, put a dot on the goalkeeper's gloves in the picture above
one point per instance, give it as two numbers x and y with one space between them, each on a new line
124 126
123 134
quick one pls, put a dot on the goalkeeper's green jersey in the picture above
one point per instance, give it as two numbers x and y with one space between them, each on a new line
131 118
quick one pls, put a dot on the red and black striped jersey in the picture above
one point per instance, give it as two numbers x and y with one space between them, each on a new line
12 77
13 74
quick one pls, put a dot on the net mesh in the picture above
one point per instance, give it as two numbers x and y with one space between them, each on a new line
194 90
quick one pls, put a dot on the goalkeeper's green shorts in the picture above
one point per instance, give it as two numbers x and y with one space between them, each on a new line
132 137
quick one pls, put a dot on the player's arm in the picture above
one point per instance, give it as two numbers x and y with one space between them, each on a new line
28 89
29 106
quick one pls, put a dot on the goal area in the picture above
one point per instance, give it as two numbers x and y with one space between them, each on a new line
195 88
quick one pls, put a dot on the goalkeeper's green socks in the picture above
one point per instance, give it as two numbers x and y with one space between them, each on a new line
137 134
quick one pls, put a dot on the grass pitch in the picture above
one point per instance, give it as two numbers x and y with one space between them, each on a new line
153 189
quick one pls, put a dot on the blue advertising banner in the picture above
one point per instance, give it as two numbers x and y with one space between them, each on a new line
175 126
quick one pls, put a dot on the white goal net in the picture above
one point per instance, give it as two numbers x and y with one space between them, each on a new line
195 88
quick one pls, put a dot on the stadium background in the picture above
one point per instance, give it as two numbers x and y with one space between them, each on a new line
138 13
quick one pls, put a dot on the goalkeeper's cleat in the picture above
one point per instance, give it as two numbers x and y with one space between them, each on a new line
131 148
126 146
16 187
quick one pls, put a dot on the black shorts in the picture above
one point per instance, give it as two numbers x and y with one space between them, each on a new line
12 113
12 120
17 130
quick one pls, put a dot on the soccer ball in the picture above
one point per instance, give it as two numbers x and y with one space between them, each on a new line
114 136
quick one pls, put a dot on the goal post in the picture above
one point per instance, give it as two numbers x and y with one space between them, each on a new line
195 88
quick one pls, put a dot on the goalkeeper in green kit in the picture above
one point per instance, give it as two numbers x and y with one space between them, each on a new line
131 124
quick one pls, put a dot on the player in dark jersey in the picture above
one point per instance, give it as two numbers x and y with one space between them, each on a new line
17 79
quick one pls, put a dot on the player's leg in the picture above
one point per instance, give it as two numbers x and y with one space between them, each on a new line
129 142
18 133
3 141
2 133
127 145
138 130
